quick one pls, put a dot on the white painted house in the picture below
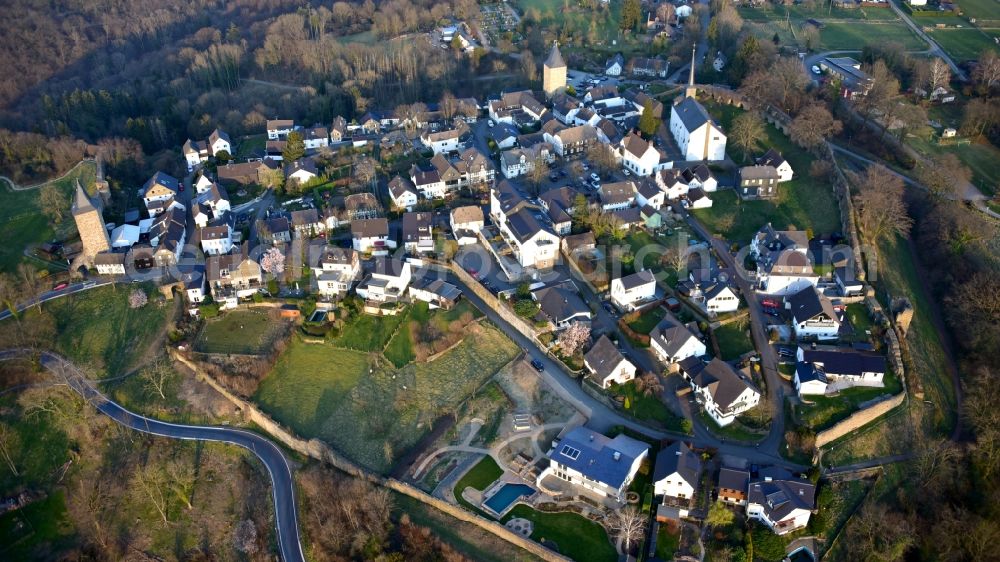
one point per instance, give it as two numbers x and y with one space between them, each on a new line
673 342
783 263
442 142
813 316
216 239
780 501
719 298
606 365
640 157
371 235
336 270
774 159
676 472
722 391
278 129
387 281
632 290
466 222
596 463
697 135
822 368
403 193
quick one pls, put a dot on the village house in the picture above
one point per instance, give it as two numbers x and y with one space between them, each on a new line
559 204
596 463
371 235
428 183
301 172
632 290
606 365
196 152
673 342
521 161
403 193
615 65
783 263
813 316
418 235
233 276
561 305
110 263
217 239
435 292
570 141
718 297
338 129
387 281
316 137
697 135
640 157
307 222
780 501
360 206
335 270
167 234
617 195
518 108
676 472
275 150
160 193
276 230
278 129
821 369
757 182
565 108
442 142
774 159
466 222
733 484
723 392
648 67
242 174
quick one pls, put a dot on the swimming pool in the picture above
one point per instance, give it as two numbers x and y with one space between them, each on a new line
318 316
506 495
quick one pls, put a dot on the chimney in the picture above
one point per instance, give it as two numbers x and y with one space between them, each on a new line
617 456
591 436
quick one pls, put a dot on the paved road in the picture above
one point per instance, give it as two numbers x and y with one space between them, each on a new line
283 486
52 295
602 417
935 49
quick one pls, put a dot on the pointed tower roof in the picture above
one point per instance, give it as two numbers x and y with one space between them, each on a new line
81 201
555 59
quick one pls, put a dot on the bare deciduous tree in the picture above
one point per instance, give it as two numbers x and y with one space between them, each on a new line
9 441
245 537
151 484
746 133
54 204
882 213
813 126
628 524
156 376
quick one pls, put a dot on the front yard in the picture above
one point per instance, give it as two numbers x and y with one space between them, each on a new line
733 341
645 407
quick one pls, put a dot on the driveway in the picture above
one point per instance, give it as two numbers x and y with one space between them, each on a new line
283 486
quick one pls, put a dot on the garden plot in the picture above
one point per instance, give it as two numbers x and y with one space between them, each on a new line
249 332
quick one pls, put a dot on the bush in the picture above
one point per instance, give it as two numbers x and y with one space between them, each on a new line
272 287
210 310
525 308
257 297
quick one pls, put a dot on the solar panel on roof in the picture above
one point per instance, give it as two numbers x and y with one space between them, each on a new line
570 452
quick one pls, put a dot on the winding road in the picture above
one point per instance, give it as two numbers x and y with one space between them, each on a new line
283 485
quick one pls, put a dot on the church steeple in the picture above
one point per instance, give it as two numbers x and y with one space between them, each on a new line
691 91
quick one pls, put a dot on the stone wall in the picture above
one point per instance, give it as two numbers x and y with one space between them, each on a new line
859 419
316 449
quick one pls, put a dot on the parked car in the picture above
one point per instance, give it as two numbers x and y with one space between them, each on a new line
595 184
473 273
627 173
537 365
490 123
816 69
60 286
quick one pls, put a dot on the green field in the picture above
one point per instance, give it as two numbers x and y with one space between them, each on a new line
22 224
733 341
963 44
554 14
980 157
856 34
249 332
364 406
648 320
842 29
575 536
96 328
828 410
399 350
365 332
778 12
647 408
24 532
985 11
804 202
39 448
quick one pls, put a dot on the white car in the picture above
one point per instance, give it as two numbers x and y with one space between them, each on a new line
490 123
595 177
627 173
816 70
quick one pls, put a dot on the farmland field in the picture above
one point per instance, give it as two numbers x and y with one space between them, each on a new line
963 44
842 29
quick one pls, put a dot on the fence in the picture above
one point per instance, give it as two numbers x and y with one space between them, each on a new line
316 449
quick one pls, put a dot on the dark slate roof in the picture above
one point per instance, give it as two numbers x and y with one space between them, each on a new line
808 303
508 196
638 278
771 158
617 192
384 265
523 225
416 226
161 178
593 455
555 59
807 372
844 361
781 495
582 240
336 255
723 382
692 114
677 458
438 287
628 215
305 217
305 164
399 186
366 228
603 358
734 479
671 335
560 303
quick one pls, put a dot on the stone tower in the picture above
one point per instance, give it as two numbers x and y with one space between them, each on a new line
554 72
90 225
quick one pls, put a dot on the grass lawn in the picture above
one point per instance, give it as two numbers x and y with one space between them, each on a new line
470 540
22 224
667 542
733 342
857 315
250 146
399 350
736 430
97 328
804 202
828 410
241 331
856 34
648 320
45 522
478 478
980 157
574 535
648 408
555 15
367 408
365 332
963 44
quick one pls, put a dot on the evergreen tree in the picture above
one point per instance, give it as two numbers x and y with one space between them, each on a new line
295 147
631 15
648 122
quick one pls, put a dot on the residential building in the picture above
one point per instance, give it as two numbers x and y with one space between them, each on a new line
847 282
719 297
673 342
774 159
316 137
466 222
561 305
386 282
278 129
159 190
571 141
648 193
110 263
615 65
418 235
813 316
554 72
648 67
783 263
559 205
696 198
442 142
606 365
780 501
533 244
195 152
697 135
371 235
402 193
575 244
217 239
701 177
596 463
233 276
474 168
277 230
733 484
617 195
672 183
335 270
723 392
301 171
435 292
521 161
638 156
519 108
757 182
504 135
676 472
847 73
822 369
167 234
338 130
565 108
360 206
193 278
275 150
307 222
632 290
428 183
243 174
